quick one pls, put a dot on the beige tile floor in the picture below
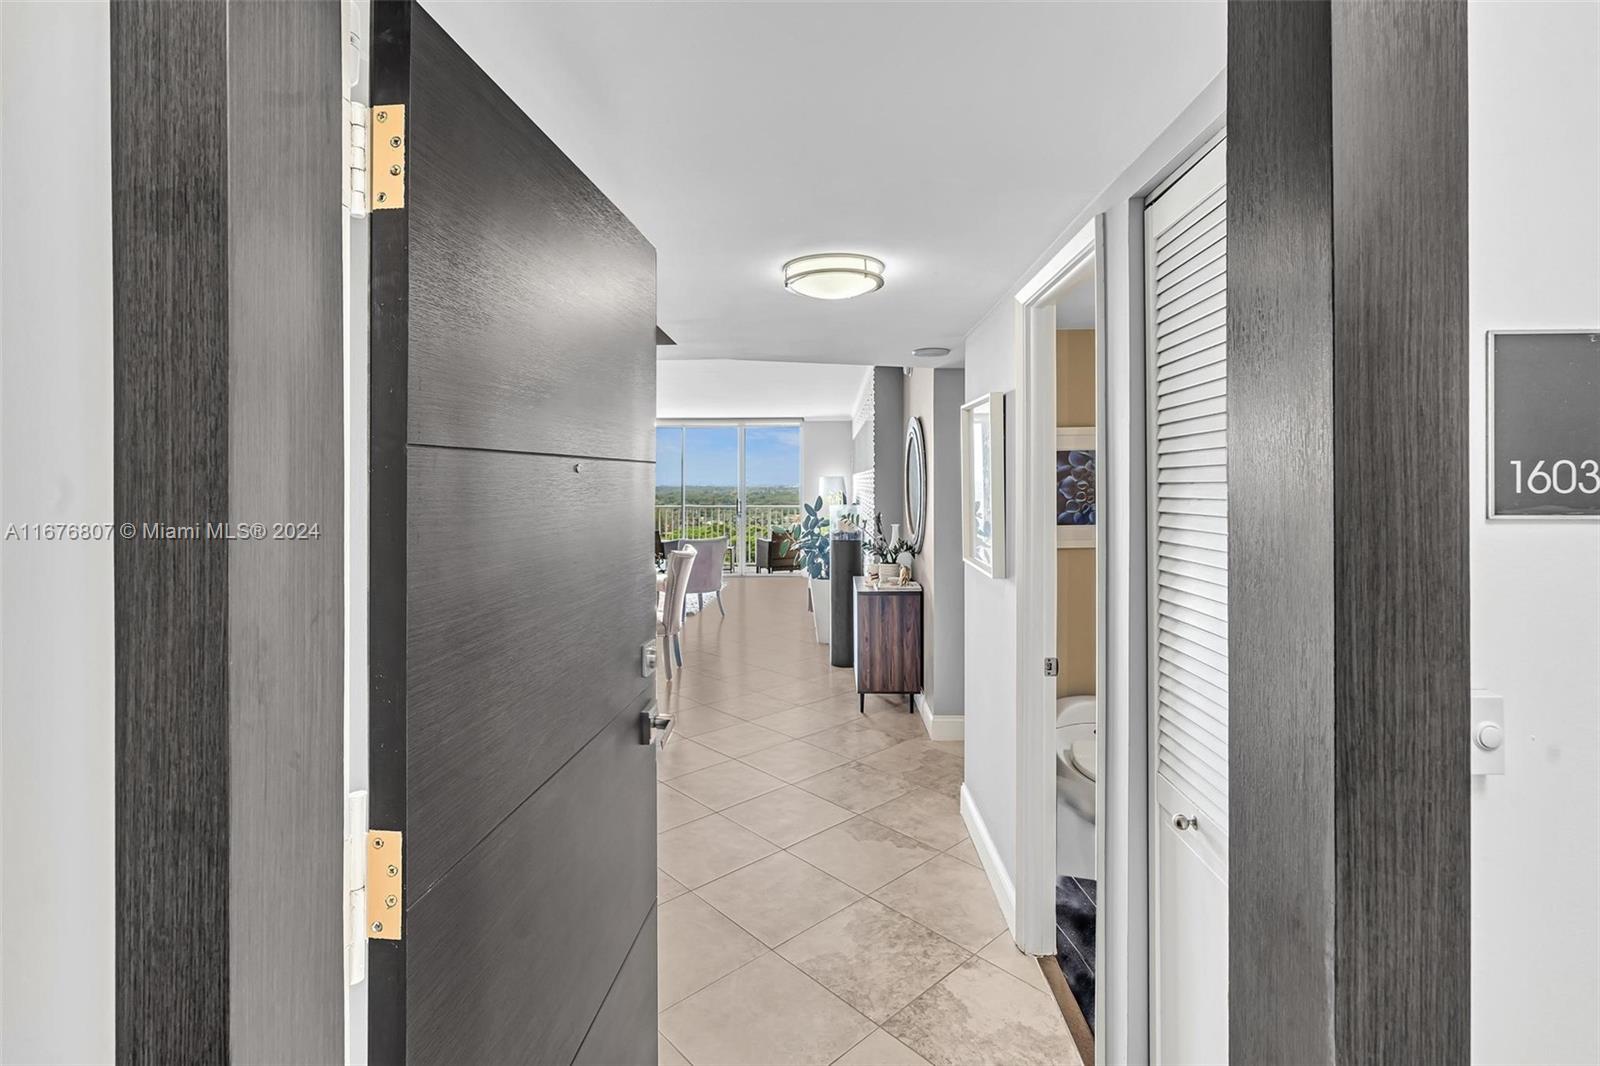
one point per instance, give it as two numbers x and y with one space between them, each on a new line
820 900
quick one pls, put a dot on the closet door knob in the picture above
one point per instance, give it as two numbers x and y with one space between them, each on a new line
1185 821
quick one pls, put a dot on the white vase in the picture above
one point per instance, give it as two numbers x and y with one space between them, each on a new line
888 574
822 608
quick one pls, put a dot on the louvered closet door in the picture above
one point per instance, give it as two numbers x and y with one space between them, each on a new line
1186 326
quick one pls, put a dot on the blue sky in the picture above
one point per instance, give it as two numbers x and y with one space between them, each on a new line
772 455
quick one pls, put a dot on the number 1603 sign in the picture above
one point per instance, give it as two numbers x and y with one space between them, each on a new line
1544 425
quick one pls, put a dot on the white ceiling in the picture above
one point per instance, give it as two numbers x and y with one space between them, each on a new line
952 140
742 388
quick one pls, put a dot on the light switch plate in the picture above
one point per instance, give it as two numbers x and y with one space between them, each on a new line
1488 736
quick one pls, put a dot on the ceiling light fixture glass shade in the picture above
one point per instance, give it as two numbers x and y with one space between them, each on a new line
833 275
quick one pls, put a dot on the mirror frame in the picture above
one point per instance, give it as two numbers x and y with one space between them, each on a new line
916 515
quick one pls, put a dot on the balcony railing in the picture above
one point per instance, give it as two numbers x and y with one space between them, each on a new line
706 521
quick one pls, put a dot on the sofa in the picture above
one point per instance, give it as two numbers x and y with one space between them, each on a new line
777 552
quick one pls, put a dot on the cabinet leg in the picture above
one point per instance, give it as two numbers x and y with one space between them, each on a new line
911 704
863 703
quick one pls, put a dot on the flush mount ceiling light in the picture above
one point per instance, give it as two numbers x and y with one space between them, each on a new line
929 353
833 275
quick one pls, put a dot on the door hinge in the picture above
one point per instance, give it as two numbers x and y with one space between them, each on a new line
355 887
354 144
388 156
355 158
1052 667
385 878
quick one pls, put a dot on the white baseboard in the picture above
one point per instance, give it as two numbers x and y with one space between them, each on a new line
1005 892
940 726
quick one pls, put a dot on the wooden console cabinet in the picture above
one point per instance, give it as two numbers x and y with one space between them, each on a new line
888 625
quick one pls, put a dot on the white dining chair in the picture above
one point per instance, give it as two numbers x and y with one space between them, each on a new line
669 613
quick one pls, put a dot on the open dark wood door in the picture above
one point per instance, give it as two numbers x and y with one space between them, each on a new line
513 397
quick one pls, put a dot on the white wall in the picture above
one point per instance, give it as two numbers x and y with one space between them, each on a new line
826 450
751 388
990 609
57 931
993 351
1534 245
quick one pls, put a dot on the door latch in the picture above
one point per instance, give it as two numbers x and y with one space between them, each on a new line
1052 667
649 723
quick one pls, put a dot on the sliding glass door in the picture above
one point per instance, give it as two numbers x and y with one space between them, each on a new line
737 480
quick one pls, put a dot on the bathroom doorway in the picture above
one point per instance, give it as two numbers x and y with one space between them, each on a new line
1077 641
1064 888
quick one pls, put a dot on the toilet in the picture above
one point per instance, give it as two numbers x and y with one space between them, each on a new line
1075 777
1075 752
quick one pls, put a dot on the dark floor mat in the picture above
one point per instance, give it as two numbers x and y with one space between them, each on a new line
1075 921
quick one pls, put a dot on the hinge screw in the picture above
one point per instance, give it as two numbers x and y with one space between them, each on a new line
383 116
377 842
377 927
394 871
394 142
395 170
383 196
389 901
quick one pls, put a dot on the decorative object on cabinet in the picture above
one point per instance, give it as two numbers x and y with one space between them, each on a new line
1075 487
983 484
887 550
916 484
888 632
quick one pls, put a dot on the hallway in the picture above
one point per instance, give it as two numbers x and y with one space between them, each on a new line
820 901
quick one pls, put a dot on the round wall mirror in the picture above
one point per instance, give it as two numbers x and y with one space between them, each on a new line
916 483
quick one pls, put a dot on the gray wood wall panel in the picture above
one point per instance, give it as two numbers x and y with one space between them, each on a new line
227 369
1349 893
545 911
1280 534
1401 620
286 597
169 203
517 651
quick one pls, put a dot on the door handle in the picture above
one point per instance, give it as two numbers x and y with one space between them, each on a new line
649 722
1181 822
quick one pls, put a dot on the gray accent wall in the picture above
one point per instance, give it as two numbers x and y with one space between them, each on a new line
227 408
889 443
1349 892
935 396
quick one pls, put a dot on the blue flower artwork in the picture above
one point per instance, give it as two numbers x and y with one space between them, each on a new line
1075 487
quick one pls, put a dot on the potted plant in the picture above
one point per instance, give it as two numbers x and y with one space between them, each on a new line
811 540
887 550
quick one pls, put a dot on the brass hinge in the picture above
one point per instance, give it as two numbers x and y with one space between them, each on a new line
385 869
388 156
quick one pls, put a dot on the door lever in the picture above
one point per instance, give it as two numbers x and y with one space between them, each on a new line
649 722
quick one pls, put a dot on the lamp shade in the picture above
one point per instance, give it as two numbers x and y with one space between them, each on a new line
831 489
833 275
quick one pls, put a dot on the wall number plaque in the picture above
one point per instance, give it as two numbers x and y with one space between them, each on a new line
1544 425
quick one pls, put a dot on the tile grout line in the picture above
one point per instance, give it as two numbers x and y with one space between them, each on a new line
965 955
